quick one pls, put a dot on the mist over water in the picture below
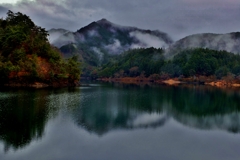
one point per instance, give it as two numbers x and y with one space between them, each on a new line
117 121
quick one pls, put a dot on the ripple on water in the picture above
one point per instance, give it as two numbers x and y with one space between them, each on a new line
6 95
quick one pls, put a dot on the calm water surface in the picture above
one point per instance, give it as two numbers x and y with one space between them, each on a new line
120 122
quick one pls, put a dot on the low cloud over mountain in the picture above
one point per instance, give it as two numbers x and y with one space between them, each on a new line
105 38
229 42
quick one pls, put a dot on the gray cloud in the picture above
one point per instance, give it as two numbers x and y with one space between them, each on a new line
3 11
179 18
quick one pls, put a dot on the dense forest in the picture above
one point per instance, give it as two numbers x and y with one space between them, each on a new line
134 63
27 57
204 62
151 63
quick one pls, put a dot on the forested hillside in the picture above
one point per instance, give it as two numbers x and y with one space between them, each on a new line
150 63
205 62
26 56
134 63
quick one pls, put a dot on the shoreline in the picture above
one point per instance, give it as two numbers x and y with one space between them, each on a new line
131 80
40 85
175 81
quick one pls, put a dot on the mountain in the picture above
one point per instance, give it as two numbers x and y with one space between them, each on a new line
99 40
229 42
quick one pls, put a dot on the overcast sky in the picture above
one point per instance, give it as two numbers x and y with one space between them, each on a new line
178 18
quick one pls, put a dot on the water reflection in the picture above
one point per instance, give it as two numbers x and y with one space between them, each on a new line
202 100
131 106
106 107
229 122
207 108
22 117
24 113
149 120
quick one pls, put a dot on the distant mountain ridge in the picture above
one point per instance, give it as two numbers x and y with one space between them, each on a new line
229 42
100 39
103 26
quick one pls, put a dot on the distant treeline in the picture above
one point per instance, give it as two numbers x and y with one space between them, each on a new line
151 62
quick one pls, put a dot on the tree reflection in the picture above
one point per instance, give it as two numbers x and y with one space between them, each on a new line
100 109
23 116
201 107
108 108
203 100
24 113
207 108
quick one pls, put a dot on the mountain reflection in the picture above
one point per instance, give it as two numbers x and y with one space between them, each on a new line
108 108
132 106
22 117
207 108
229 122
103 108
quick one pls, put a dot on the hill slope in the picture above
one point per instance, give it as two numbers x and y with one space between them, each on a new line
27 58
229 42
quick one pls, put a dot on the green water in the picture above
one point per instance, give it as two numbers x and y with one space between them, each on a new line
105 121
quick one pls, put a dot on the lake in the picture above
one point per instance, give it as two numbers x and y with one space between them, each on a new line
112 121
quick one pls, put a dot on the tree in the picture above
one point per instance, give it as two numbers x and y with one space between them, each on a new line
73 68
172 70
222 72
24 48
